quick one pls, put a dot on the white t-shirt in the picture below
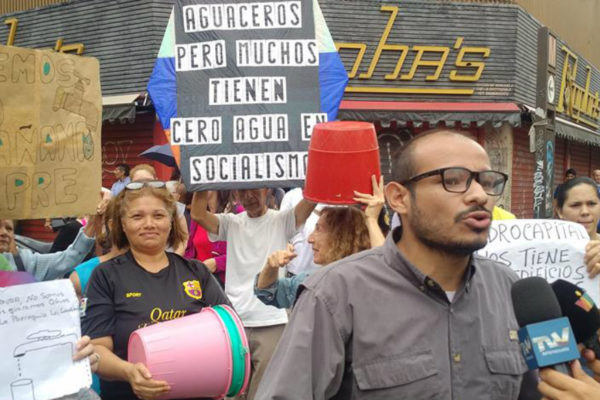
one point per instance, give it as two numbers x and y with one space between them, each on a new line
249 242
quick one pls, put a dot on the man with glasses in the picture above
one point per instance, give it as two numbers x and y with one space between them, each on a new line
420 317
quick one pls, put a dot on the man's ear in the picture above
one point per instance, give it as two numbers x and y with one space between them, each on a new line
398 197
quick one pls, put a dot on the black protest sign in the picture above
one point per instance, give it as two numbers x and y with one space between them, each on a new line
247 92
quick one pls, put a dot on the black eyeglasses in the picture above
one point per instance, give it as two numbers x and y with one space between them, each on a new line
458 179
137 185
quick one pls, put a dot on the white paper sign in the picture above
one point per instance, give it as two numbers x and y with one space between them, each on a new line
551 249
39 327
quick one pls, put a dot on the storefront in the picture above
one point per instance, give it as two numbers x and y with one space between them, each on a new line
472 67
412 66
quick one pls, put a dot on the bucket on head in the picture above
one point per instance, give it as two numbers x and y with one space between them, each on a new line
342 156
193 354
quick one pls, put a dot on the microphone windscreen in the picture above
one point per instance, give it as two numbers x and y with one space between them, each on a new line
534 301
577 305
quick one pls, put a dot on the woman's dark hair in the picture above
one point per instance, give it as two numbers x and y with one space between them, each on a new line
347 229
103 238
224 201
564 189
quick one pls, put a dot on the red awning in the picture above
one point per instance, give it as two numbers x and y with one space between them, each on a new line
432 113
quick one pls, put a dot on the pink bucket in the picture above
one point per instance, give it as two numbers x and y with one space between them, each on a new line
193 354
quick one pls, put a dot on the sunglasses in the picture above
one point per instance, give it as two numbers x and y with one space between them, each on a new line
140 184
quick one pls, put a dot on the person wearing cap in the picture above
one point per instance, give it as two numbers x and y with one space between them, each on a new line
422 316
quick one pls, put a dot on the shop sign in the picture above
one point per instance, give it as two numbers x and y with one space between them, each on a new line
578 101
468 66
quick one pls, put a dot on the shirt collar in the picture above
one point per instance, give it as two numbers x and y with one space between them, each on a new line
396 260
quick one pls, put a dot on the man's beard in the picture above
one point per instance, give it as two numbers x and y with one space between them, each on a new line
433 237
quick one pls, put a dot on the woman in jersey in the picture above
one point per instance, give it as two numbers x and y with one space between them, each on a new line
144 286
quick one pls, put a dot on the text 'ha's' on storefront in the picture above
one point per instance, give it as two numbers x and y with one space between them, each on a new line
471 67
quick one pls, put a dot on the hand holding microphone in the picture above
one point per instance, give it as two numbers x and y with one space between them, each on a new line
585 321
546 337
557 386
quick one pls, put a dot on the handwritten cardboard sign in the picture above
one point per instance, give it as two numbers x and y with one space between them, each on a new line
50 122
247 92
39 326
551 249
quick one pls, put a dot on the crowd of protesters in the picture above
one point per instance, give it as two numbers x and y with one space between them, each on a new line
368 311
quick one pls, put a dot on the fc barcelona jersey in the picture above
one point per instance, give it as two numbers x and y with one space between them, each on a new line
122 297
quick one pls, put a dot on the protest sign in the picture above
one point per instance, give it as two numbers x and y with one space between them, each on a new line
50 121
247 92
551 249
39 327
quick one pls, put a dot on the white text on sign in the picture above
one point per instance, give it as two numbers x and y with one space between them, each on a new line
214 17
276 53
309 120
199 56
196 131
260 128
247 90
248 167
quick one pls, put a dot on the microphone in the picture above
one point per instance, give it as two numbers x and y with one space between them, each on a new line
546 337
583 314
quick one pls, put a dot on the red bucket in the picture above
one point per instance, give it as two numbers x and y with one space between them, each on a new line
342 156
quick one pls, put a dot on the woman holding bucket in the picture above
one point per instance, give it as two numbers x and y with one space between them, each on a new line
144 286
339 232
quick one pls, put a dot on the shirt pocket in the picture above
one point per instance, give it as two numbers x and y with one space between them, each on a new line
406 376
506 367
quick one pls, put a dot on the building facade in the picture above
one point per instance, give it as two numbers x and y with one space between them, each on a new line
413 65
471 66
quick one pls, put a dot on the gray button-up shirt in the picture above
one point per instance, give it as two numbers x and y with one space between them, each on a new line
372 326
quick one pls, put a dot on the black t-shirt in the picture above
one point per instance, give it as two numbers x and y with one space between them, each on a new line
122 297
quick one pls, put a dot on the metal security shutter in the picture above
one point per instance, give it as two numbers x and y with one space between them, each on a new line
580 158
121 143
522 175
390 141
560 155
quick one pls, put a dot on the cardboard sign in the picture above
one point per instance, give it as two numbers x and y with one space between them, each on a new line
551 249
247 92
50 122
39 327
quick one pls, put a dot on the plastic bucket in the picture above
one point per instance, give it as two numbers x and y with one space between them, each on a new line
194 354
240 355
342 156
